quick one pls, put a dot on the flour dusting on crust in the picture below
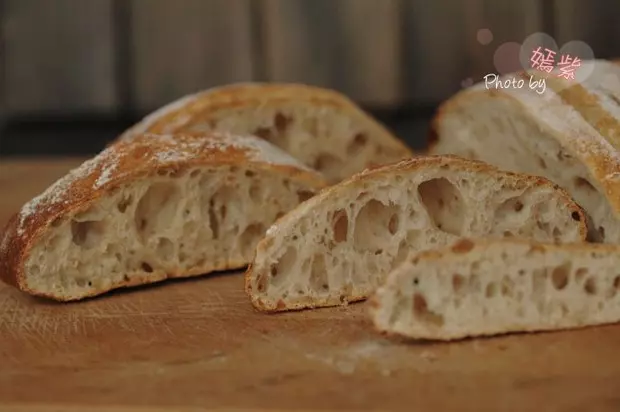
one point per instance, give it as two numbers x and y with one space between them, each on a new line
56 193
162 150
181 148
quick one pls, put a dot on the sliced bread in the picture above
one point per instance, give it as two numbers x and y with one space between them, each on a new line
322 128
337 246
482 287
569 134
153 208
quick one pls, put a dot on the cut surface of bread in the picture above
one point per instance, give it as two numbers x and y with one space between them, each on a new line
487 287
568 134
321 127
153 208
337 246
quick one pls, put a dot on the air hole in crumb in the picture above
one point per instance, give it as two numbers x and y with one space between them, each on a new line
617 282
416 281
87 233
281 122
444 204
590 286
508 286
124 203
491 290
601 232
542 163
584 184
559 276
372 225
261 281
507 208
575 216
325 163
165 248
357 143
250 237
156 208
340 225
318 273
422 313
194 173
213 221
255 192
457 282
463 246
580 274
393 224
264 133
304 195
146 267
249 173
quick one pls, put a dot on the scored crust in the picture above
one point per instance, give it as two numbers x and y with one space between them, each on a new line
323 128
144 157
314 227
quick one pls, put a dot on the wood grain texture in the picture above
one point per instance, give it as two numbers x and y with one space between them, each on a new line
594 22
59 56
180 47
197 344
353 46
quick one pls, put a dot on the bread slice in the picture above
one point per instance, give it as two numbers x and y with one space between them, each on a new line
153 208
483 287
569 135
337 246
322 128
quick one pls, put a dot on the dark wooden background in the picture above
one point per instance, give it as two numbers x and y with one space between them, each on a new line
77 72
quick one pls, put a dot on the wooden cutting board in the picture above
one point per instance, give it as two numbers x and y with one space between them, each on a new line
194 344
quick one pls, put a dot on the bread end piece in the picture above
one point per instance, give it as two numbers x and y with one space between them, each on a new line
336 247
490 287
154 208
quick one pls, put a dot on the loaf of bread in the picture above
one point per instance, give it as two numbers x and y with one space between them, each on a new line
483 287
569 134
321 127
337 246
152 208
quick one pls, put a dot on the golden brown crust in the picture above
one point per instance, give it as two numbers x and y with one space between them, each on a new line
201 107
380 173
124 162
201 111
